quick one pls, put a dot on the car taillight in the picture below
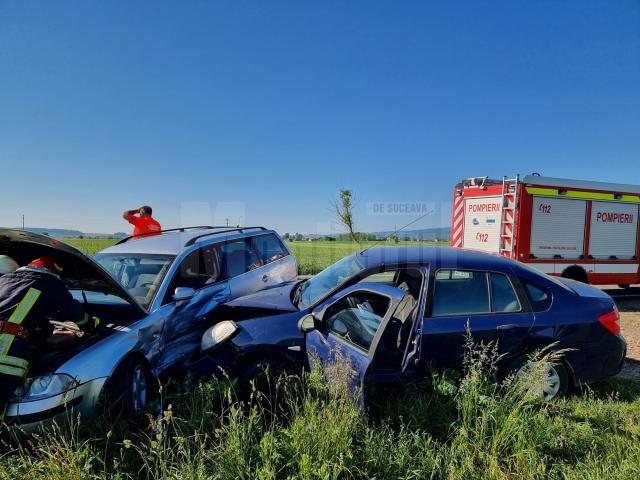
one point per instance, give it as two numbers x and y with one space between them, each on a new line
611 321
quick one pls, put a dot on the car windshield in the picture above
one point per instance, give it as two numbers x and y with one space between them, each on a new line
140 274
98 297
327 280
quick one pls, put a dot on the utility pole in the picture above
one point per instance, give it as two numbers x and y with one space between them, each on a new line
23 221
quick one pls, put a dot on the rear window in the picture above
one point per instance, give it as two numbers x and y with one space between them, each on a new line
540 299
543 276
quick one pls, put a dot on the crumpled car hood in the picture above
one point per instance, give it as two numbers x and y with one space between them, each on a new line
276 299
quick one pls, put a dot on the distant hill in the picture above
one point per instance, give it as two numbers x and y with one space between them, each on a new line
61 232
54 232
429 234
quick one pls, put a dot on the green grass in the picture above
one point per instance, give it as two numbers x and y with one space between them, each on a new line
474 430
315 256
89 245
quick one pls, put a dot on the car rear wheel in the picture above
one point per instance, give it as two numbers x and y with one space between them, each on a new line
555 378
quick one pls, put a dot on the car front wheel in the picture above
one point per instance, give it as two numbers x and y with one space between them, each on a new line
131 388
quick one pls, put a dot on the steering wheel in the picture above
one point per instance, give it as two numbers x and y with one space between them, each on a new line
146 284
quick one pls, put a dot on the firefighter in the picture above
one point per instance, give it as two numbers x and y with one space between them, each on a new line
29 298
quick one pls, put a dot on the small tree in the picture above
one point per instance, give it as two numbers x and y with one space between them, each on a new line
344 213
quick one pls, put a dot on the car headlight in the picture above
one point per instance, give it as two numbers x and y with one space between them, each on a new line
219 333
44 386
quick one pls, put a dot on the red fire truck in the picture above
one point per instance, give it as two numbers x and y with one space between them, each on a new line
577 229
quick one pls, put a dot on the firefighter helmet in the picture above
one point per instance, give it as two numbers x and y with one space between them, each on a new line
7 264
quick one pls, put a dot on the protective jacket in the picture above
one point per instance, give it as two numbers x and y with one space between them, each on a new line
29 298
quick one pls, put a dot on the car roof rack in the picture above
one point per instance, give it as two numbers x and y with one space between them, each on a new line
181 229
193 240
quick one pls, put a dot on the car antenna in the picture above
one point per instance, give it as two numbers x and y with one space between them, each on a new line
400 229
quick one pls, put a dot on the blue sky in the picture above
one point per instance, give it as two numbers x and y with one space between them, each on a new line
261 111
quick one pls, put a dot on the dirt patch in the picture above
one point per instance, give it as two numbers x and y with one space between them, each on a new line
630 323
628 302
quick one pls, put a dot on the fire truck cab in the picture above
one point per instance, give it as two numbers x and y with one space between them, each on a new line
578 229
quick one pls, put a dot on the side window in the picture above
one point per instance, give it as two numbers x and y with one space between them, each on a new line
407 279
238 257
270 248
460 292
357 317
503 296
540 299
199 269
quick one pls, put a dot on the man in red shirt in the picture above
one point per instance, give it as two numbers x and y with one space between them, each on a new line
144 224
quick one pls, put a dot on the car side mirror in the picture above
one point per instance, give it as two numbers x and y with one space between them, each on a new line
307 323
183 293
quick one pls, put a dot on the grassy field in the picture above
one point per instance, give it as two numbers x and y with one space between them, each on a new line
315 256
468 429
473 430
89 245
312 256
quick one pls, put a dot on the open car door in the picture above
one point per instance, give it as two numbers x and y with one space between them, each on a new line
348 328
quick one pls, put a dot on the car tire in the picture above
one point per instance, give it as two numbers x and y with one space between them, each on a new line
131 389
263 376
557 377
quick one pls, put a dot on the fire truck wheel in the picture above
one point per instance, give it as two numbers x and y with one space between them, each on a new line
576 273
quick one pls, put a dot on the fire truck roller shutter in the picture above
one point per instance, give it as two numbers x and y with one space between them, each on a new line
614 228
557 227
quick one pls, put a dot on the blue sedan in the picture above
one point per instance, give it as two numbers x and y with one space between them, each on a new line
399 312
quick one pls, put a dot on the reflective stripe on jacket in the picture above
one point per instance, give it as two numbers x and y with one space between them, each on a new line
30 298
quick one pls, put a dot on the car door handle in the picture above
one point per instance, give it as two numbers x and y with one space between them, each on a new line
508 326
265 278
